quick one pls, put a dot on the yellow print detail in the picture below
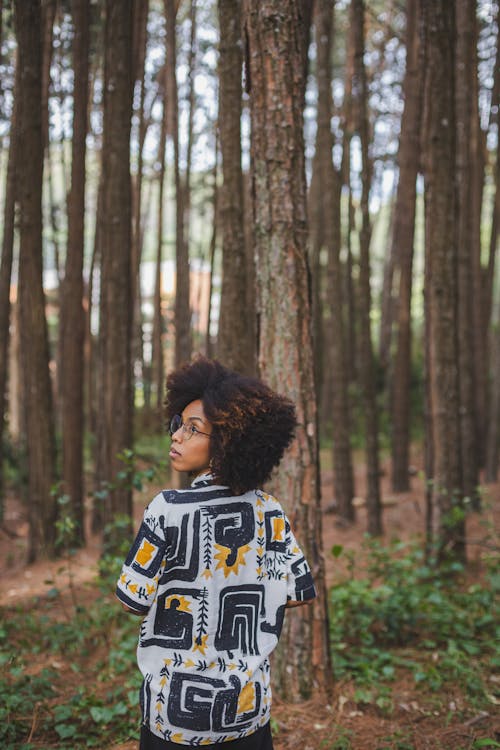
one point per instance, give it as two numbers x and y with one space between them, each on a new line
223 554
145 553
183 606
246 700
278 529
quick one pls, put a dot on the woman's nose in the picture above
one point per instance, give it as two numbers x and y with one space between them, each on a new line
178 434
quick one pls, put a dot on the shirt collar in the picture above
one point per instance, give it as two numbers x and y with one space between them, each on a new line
203 480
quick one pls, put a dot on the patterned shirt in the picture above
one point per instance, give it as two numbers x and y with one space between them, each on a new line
212 573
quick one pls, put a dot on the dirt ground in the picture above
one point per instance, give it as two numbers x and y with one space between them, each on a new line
330 722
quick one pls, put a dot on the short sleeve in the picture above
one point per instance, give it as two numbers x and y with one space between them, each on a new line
300 583
138 581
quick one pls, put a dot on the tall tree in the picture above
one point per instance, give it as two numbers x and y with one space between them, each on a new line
115 414
366 359
72 312
464 84
276 77
140 36
446 526
182 285
235 342
328 202
157 365
6 272
402 243
37 395
493 437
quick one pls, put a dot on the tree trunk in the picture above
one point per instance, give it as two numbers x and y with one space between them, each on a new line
480 354
191 99
6 273
446 524
366 360
37 395
402 243
465 46
493 441
211 253
72 312
275 73
329 198
115 417
140 11
236 337
182 285
494 119
388 297
157 334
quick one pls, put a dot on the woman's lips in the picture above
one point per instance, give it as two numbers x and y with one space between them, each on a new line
173 453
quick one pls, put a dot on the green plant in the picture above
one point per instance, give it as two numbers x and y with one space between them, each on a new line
401 602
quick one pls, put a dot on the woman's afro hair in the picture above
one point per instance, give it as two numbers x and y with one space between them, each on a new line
251 424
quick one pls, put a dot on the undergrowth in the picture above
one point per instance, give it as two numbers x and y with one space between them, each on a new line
68 677
398 614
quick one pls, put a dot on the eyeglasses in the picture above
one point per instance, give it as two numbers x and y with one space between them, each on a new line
188 428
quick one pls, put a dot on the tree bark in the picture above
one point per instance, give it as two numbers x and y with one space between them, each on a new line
236 337
275 73
6 272
140 11
115 320
37 394
464 84
402 243
447 523
493 441
157 335
182 286
72 312
366 359
329 199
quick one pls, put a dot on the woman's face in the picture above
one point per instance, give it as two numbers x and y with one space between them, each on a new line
190 449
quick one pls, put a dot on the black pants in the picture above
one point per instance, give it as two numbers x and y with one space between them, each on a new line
259 740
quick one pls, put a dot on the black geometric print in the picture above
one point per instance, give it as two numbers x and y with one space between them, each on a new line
202 623
152 554
179 543
276 542
201 704
304 584
145 698
266 627
181 498
239 611
236 528
173 625
191 700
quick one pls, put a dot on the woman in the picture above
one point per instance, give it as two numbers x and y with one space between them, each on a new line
214 567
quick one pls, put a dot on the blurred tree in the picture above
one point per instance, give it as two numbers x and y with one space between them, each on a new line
72 319
326 231
9 211
139 48
402 247
465 77
236 337
275 77
182 284
446 522
37 393
157 359
115 314
367 374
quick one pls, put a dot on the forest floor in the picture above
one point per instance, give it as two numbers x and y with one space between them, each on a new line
414 718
